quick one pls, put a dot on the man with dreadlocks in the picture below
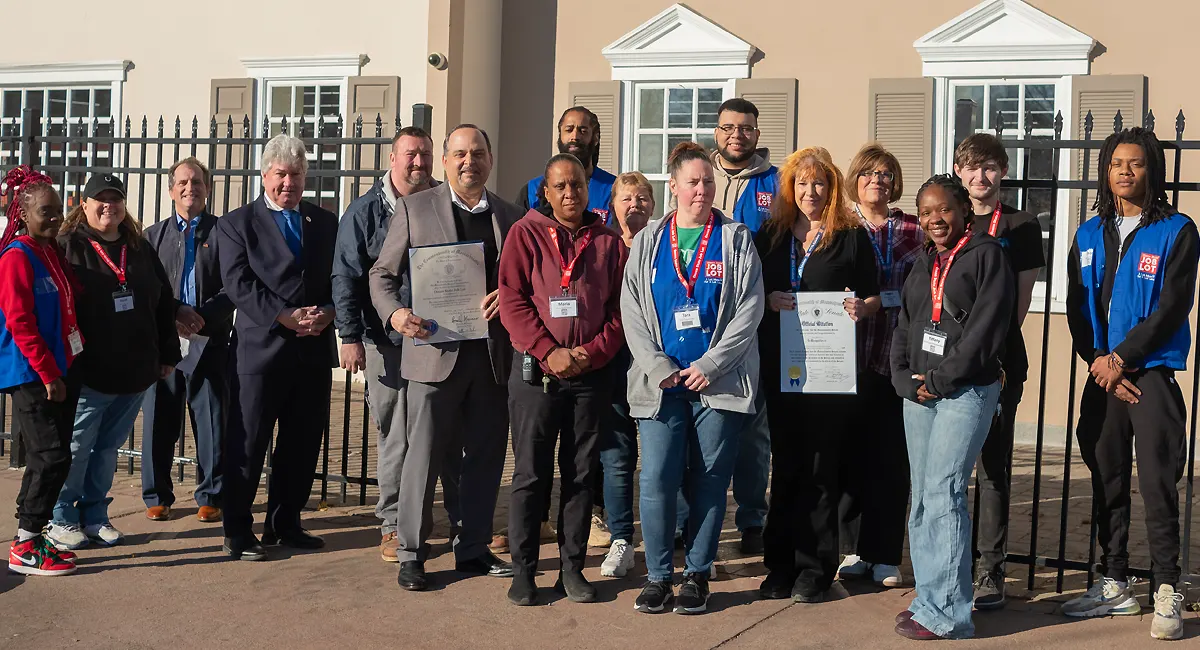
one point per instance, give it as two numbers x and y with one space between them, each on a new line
1131 278
39 339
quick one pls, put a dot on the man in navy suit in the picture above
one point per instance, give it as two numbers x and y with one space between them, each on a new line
276 261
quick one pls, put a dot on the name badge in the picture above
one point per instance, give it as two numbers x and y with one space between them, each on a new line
687 317
122 301
934 342
564 307
76 342
890 299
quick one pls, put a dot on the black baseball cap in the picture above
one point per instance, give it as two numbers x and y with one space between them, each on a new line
101 182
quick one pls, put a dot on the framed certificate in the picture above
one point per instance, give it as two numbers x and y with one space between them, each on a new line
817 345
449 283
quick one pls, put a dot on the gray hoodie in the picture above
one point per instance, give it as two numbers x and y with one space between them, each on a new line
731 363
729 187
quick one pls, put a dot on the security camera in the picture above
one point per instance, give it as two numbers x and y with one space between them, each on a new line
438 61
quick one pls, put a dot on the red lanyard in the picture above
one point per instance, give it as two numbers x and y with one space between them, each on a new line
568 268
61 279
937 279
689 285
994 226
120 272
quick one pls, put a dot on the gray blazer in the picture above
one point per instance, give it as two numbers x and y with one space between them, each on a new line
424 219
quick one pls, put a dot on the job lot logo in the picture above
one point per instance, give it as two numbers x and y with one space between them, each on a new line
764 200
714 272
1147 266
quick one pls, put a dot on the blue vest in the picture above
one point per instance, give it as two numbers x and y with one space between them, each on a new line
1136 287
753 207
14 367
684 347
599 193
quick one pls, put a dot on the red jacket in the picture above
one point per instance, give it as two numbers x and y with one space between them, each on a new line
530 274
16 302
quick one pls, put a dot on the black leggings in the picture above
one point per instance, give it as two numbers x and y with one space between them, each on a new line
44 428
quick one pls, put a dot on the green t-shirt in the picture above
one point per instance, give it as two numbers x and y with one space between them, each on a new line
688 239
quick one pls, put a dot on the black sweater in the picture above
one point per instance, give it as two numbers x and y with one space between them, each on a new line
123 351
980 296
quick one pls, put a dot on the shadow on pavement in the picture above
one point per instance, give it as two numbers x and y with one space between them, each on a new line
11 581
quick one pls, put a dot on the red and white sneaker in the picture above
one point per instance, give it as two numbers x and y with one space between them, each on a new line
36 557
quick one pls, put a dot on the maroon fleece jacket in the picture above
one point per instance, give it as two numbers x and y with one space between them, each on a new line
531 273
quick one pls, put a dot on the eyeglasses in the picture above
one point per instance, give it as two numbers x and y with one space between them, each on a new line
728 129
884 177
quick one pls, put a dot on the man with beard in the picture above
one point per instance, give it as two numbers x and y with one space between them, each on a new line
365 343
579 135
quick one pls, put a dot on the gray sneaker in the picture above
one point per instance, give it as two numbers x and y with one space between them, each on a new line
66 537
1106 598
1168 614
989 591
104 534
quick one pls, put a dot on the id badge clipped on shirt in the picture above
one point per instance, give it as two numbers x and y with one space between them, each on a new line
890 299
122 301
564 307
934 341
76 342
687 317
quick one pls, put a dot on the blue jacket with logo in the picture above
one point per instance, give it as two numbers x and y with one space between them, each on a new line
753 207
15 368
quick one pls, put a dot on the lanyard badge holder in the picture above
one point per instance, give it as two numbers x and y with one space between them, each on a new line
933 340
797 270
74 338
687 316
567 305
888 297
122 297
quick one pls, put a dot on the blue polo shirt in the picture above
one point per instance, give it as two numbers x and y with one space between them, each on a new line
686 346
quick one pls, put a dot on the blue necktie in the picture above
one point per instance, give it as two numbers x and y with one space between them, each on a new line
291 232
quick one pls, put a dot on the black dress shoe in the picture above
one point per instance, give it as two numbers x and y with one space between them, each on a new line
807 589
486 565
523 591
752 541
776 586
298 538
576 587
244 548
412 576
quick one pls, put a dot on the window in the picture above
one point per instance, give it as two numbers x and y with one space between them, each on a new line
63 111
319 104
667 114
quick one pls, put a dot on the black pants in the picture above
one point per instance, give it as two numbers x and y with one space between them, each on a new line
298 399
875 475
1109 430
994 472
576 409
45 430
801 537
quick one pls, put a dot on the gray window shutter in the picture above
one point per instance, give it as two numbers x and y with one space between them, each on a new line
1103 95
900 117
230 99
776 102
377 101
604 99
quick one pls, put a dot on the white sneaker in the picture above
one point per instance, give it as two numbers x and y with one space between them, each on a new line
66 537
104 534
600 536
852 568
886 575
619 560
1168 614
1106 598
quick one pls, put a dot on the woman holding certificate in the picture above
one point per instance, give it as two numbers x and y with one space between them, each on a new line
691 304
560 285
811 243
954 315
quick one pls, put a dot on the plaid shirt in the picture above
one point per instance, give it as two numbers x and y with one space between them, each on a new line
875 336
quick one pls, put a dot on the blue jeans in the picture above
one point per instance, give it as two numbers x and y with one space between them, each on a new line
618 457
102 424
686 439
944 439
751 473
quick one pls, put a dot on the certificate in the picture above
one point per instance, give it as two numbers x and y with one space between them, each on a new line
192 348
449 282
817 345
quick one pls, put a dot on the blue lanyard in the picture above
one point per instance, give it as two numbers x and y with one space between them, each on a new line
798 270
885 263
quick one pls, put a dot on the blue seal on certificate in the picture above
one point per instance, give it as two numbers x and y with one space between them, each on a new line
432 326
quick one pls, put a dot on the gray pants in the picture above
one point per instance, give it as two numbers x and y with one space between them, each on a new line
465 416
388 397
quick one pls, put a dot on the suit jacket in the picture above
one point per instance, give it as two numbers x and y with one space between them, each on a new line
424 219
263 278
212 303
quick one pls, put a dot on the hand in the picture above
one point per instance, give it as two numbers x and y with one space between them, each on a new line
188 321
923 394
290 318
562 363
354 357
315 321
165 371
781 301
1107 372
582 359
409 324
857 308
670 382
1127 392
491 305
56 391
693 379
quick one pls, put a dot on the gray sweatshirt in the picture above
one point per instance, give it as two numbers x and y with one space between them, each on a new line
731 363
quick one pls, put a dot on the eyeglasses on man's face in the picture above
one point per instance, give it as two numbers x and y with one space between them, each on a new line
882 177
743 129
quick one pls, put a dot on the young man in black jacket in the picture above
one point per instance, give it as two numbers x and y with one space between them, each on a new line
1131 282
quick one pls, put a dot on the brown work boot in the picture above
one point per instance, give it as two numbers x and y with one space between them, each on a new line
499 542
208 514
158 513
388 547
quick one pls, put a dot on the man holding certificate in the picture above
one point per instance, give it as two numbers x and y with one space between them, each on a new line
820 278
435 283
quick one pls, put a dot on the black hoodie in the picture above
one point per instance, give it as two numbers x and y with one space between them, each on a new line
976 314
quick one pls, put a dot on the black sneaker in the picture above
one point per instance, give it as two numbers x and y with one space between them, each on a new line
776 586
655 597
752 541
989 591
806 589
693 594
